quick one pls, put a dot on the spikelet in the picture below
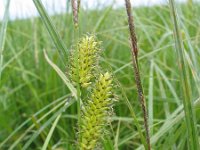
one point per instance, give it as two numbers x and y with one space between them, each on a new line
95 112
84 60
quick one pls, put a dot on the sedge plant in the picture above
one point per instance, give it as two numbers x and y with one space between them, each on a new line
83 72
24 85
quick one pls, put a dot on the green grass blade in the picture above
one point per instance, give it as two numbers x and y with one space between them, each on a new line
3 34
62 75
29 119
193 143
102 19
136 122
52 30
168 83
150 97
64 102
117 136
163 95
67 104
51 132
22 136
175 118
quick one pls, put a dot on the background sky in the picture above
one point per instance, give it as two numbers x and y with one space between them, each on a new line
26 8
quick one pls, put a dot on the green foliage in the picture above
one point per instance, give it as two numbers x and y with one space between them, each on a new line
30 88
193 142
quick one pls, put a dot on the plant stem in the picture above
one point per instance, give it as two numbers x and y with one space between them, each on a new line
134 51
193 143
76 39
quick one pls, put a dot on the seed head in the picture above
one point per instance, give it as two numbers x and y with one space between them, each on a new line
95 111
84 60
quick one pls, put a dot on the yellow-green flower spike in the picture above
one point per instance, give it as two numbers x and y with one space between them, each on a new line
94 113
84 61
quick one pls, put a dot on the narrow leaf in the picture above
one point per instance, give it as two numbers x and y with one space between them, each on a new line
193 142
62 76
51 132
51 29
3 34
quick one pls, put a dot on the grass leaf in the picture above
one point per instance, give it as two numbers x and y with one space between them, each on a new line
68 103
62 76
51 132
3 34
52 30
193 142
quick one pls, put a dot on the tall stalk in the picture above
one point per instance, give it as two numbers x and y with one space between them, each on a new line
74 4
134 51
193 143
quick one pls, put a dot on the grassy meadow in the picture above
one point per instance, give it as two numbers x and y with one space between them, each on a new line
33 94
